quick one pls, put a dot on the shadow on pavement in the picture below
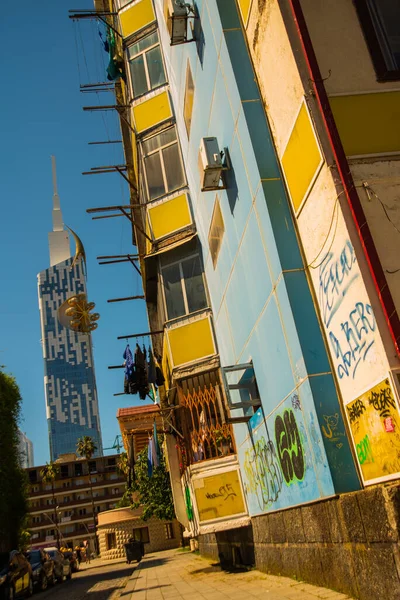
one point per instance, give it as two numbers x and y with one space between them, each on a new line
153 562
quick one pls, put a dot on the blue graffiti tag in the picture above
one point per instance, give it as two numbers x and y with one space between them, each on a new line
356 339
335 279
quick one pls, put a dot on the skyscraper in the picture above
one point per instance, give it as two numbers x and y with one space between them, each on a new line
69 377
25 450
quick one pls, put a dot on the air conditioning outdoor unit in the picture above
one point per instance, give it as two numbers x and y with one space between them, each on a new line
177 21
210 164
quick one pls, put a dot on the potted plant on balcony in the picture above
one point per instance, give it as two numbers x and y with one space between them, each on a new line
223 440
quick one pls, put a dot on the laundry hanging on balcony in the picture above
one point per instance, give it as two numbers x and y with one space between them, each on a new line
153 452
143 374
115 68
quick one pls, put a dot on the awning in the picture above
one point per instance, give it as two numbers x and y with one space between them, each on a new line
168 247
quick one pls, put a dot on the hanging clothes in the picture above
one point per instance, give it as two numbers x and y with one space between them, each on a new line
157 452
141 372
149 460
130 386
160 380
152 375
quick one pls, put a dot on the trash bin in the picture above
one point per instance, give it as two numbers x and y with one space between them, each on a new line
133 551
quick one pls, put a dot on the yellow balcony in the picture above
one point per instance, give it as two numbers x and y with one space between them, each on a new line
189 340
136 16
152 110
169 216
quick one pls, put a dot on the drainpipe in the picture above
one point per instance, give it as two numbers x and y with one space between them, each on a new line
371 254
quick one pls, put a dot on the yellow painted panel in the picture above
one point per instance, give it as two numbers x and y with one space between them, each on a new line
301 158
191 342
244 9
368 123
375 424
155 110
165 365
219 496
170 216
136 17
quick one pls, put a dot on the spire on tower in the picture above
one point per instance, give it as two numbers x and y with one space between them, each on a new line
58 238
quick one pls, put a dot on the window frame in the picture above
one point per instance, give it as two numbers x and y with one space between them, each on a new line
141 530
186 100
214 253
111 537
169 531
163 171
182 279
146 69
383 74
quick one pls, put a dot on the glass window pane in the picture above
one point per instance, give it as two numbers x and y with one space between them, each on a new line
173 167
166 137
385 16
147 42
173 291
194 284
155 182
155 67
138 76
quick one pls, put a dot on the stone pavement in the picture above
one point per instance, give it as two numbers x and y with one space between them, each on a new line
181 575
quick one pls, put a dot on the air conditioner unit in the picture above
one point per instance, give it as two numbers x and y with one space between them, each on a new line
177 21
210 164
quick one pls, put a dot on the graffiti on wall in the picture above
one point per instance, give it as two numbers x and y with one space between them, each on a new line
219 496
375 425
347 315
268 465
289 447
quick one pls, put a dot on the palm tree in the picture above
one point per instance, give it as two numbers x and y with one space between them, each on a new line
49 474
86 448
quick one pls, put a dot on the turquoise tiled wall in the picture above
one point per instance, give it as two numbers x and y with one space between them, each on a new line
262 305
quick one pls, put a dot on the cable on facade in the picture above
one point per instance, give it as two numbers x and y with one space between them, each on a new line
334 212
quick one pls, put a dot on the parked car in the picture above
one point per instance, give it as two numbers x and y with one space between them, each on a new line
62 566
42 569
15 576
71 556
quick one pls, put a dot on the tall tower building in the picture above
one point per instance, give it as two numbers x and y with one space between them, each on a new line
25 450
69 377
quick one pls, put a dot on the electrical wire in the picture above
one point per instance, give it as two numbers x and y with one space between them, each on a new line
334 212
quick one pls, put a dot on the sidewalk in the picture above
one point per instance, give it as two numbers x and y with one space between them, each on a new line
177 575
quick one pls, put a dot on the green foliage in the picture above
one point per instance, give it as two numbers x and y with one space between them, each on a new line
122 464
86 447
125 501
154 493
49 473
13 486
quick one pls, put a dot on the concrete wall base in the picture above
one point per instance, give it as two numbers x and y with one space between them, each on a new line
349 543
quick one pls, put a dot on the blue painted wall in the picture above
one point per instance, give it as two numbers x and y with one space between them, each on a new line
262 305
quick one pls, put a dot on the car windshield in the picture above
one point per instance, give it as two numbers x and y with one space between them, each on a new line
34 557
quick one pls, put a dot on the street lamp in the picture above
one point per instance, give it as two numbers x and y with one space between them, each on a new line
59 534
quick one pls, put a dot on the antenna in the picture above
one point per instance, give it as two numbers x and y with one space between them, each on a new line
53 168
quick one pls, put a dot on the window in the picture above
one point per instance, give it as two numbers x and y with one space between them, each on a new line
141 534
78 470
189 97
216 233
67 499
111 541
66 484
36 519
92 466
82 511
169 531
33 476
380 23
64 471
184 286
146 65
162 164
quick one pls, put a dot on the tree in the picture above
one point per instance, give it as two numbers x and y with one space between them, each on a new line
154 493
49 474
13 486
86 448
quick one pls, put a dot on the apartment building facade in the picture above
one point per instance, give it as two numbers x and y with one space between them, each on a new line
68 516
263 159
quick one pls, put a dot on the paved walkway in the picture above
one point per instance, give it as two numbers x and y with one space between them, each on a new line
179 575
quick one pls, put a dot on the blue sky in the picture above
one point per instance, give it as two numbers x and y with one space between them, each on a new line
41 114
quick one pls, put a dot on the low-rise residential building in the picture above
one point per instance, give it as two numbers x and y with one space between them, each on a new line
65 513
